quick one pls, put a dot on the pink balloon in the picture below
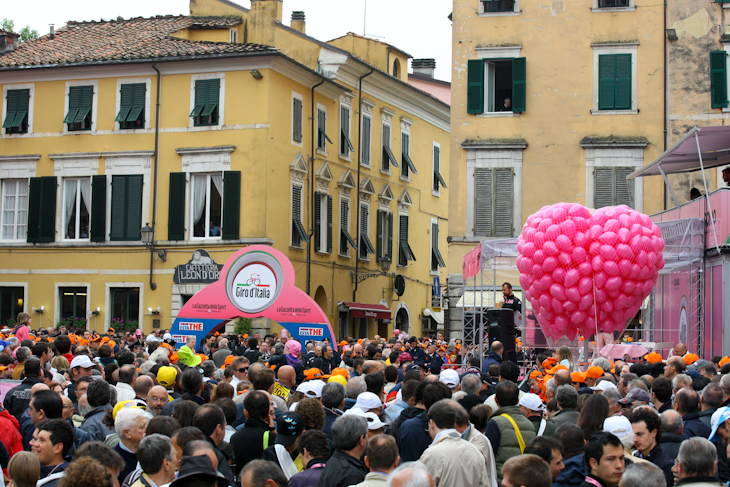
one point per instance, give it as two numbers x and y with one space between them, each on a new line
611 268
528 249
578 317
568 228
537 271
578 255
572 277
622 250
570 306
585 269
539 256
624 268
613 283
624 235
559 275
608 252
550 248
600 278
552 233
557 291
609 238
585 285
564 243
550 264
573 294
586 302
564 259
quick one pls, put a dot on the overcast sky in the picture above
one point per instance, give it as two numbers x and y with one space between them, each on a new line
419 27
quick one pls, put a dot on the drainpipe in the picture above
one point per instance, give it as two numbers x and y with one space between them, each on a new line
359 160
310 220
666 84
155 170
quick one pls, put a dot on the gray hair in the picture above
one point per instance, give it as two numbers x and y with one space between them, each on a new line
552 386
613 396
146 367
671 422
712 395
567 396
355 387
680 381
333 393
644 474
412 474
697 457
223 343
153 450
602 363
725 384
279 348
471 383
14 342
348 430
126 419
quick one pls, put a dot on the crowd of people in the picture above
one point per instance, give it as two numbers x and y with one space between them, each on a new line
122 409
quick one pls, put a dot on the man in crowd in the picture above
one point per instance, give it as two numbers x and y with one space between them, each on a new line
314 451
257 433
261 473
125 384
567 398
344 468
211 420
240 370
157 399
570 437
686 403
130 426
604 457
661 394
533 409
643 474
17 399
413 436
647 434
526 471
550 450
696 464
671 433
52 440
80 366
494 357
333 400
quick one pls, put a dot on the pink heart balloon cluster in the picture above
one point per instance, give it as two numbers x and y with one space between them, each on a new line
578 266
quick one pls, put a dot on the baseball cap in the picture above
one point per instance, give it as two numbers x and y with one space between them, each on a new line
82 361
229 361
691 358
579 377
594 372
532 402
374 422
167 336
619 426
449 377
635 394
314 373
719 417
196 467
166 376
289 426
123 405
339 379
653 357
367 401
404 357
138 332
312 388
413 367
604 385
341 372
343 343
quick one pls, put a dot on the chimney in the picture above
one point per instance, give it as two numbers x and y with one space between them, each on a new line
52 34
262 20
425 67
8 41
297 21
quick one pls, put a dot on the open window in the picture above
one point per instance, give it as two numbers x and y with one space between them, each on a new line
206 209
496 85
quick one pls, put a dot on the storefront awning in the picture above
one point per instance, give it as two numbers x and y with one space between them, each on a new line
363 310
438 316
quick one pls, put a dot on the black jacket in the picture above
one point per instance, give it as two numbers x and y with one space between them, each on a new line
223 467
248 442
18 398
413 437
670 444
659 458
693 426
342 470
329 419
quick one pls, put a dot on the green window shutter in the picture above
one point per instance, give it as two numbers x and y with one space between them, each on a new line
379 242
47 214
231 205
606 82
345 144
624 187
519 84
718 79
317 220
623 82
125 102
86 100
133 222
438 179
503 202
297 119
389 244
16 112
437 259
329 223
98 208
74 104
365 151
475 86
603 187
296 209
201 97
176 207
138 101
34 208
483 202
11 108
212 88
386 156
119 208
405 253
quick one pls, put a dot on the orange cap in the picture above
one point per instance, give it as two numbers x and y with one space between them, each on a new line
535 374
343 343
229 361
654 358
359 341
578 377
594 372
340 371
549 362
173 358
203 357
314 373
555 369
245 335
724 360
691 358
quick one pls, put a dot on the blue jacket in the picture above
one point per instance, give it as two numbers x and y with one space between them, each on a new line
693 426
413 438
308 477
492 358
573 474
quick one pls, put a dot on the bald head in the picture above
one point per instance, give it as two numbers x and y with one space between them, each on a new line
157 399
680 349
288 376
142 386
410 474
38 387
68 407
672 422
357 349
562 377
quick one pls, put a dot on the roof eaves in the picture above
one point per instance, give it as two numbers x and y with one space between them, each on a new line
428 79
310 38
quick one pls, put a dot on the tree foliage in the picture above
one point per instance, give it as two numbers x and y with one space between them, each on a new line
25 33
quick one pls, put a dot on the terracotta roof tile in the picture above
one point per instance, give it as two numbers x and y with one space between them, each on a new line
125 40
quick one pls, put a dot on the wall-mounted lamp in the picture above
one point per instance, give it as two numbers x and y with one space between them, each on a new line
256 74
38 310
96 311
148 238
672 34
154 311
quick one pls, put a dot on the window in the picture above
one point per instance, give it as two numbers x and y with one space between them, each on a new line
612 3
718 79
80 104
14 209
611 188
396 68
126 207
345 144
297 118
42 210
387 157
404 249
17 104
436 259
132 106
322 222
493 202
345 237
614 82
366 246
407 165
207 98
438 180
299 234
11 303
72 302
233 36
125 304
384 243
367 123
498 6
76 208
496 85
206 210
322 137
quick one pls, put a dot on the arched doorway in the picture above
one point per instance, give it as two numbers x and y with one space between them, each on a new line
396 68
403 319
320 297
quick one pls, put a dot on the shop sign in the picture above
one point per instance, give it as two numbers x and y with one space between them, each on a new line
200 269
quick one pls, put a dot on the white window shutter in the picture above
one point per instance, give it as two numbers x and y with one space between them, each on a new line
603 187
503 202
483 207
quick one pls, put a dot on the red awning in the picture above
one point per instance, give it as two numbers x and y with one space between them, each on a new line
362 310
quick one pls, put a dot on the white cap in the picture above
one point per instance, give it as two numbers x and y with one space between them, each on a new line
82 361
374 422
450 378
311 388
532 402
166 336
367 401
619 426
604 385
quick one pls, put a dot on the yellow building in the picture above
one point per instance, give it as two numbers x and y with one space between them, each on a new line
585 86
221 129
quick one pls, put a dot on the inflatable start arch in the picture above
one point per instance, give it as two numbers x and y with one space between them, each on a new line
257 281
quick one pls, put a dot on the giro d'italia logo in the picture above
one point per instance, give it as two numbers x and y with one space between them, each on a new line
255 284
